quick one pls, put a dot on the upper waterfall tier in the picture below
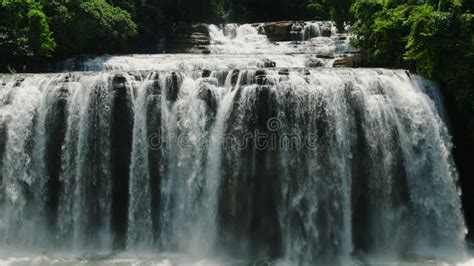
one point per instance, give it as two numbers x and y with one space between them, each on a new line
283 44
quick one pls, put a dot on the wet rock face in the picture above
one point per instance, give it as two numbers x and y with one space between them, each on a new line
248 216
281 31
119 84
206 95
261 77
18 82
189 38
121 149
266 63
297 32
206 73
315 62
57 123
155 158
354 60
284 72
3 142
326 29
173 84
278 31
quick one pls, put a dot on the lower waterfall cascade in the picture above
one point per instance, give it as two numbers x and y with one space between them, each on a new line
246 154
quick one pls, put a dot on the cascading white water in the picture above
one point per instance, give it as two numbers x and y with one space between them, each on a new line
232 39
139 214
16 176
238 46
84 201
311 30
217 159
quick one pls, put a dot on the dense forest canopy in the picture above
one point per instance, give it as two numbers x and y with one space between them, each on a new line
66 28
73 27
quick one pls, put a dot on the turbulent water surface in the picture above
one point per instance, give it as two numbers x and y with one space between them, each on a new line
249 155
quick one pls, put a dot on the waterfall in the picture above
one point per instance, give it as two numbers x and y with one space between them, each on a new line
311 30
232 39
226 157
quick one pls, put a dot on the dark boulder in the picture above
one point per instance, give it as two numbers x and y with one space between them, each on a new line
119 83
206 73
260 72
326 56
354 60
266 63
284 72
261 77
278 31
19 81
315 62
326 29
297 32
189 38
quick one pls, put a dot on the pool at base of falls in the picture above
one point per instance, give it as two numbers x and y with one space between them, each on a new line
164 259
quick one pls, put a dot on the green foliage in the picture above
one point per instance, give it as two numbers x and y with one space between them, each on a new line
273 10
24 31
89 26
387 32
336 10
96 25
32 29
151 15
110 26
419 47
321 11
39 36
433 38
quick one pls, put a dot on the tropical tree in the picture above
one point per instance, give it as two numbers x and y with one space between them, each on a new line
24 32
